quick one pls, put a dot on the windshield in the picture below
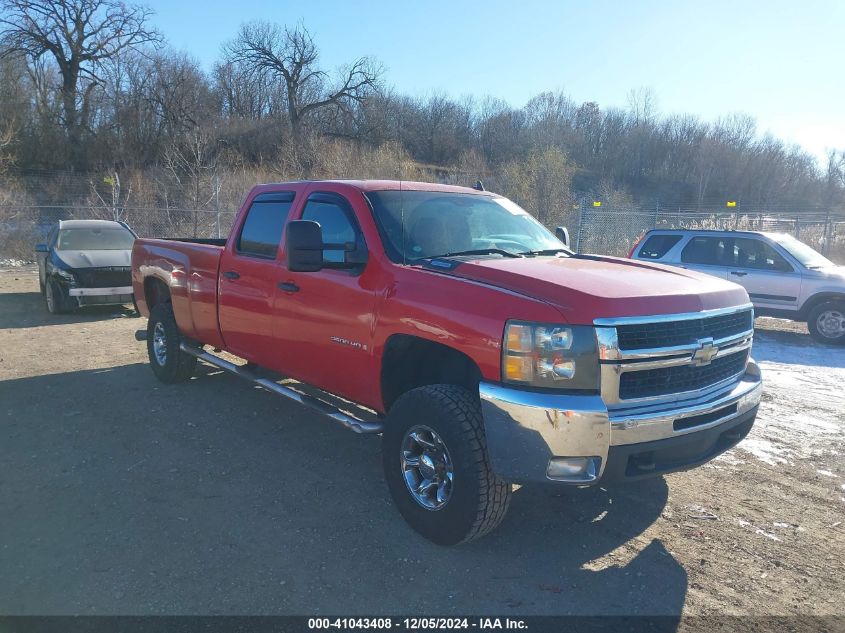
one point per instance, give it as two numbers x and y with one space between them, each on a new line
422 224
95 239
808 257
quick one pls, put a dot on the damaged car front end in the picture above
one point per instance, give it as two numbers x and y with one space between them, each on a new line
84 263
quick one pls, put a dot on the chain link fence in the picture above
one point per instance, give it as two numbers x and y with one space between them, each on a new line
614 230
606 231
23 227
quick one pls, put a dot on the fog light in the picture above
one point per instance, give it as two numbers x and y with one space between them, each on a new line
574 469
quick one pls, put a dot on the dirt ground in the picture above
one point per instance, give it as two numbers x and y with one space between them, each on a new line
121 495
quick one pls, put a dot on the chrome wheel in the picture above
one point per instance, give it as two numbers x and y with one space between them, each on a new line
426 467
160 344
831 324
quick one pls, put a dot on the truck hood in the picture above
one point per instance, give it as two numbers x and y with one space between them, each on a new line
95 259
585 288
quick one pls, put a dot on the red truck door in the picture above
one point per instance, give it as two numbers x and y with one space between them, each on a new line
249 271
324 320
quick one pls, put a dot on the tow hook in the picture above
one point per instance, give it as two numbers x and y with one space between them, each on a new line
140 335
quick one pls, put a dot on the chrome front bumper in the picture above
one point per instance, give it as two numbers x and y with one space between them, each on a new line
527 429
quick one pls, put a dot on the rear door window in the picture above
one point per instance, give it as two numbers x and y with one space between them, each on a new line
262 229
657 246
708 250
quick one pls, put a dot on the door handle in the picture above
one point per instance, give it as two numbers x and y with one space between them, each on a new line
738 273
288 286
231 274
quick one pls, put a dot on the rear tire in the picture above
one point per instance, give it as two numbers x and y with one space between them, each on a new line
169 363
826 322
434 441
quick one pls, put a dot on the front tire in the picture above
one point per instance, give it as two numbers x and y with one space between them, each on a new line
826 322
56 298
169 363
434 453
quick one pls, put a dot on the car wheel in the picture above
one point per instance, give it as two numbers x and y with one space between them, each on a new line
826 322
56 298
436 465
169 363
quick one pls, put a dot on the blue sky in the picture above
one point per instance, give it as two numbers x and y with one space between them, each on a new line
783 62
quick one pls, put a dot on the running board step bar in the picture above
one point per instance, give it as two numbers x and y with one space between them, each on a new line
350 422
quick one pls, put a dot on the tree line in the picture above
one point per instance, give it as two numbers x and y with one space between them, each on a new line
91 86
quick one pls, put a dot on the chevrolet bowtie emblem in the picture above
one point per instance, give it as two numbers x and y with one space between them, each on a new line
704 353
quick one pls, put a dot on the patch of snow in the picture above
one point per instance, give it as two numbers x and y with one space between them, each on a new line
14 263
802 413
766 534
826 473
761 532
728 458
781 525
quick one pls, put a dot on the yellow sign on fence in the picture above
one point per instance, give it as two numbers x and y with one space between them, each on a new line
731 203
597 203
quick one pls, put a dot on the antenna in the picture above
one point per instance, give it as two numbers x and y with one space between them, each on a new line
401 197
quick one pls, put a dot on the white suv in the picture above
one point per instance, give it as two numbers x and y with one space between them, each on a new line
783 276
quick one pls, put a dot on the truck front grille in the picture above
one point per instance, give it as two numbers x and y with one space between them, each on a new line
107 277
649 360
673 333
680 378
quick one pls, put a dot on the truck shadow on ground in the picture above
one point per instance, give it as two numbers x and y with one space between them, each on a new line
27 309
214 497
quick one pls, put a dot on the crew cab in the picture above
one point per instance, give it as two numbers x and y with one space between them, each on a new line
449 320
784 277
85 262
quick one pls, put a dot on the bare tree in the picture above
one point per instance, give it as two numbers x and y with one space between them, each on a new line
191 159
541 183
81 35
834 176
292 56
14 106
642 105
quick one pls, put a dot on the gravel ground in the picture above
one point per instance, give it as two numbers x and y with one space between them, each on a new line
121 495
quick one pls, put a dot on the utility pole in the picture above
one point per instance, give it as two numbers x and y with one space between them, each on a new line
217 202
580 227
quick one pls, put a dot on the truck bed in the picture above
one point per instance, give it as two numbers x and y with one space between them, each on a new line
189 268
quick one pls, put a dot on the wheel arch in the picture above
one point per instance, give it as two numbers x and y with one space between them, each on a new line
819 298
410 361
156 291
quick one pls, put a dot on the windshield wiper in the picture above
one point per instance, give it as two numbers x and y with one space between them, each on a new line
479 251
546 251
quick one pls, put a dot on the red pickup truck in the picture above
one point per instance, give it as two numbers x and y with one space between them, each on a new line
449 320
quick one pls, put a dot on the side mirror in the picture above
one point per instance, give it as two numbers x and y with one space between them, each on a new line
562 233
40 248
304 246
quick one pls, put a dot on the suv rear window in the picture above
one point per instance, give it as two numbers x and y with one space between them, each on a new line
707 250
657 246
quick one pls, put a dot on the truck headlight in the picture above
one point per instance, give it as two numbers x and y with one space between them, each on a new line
548 355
